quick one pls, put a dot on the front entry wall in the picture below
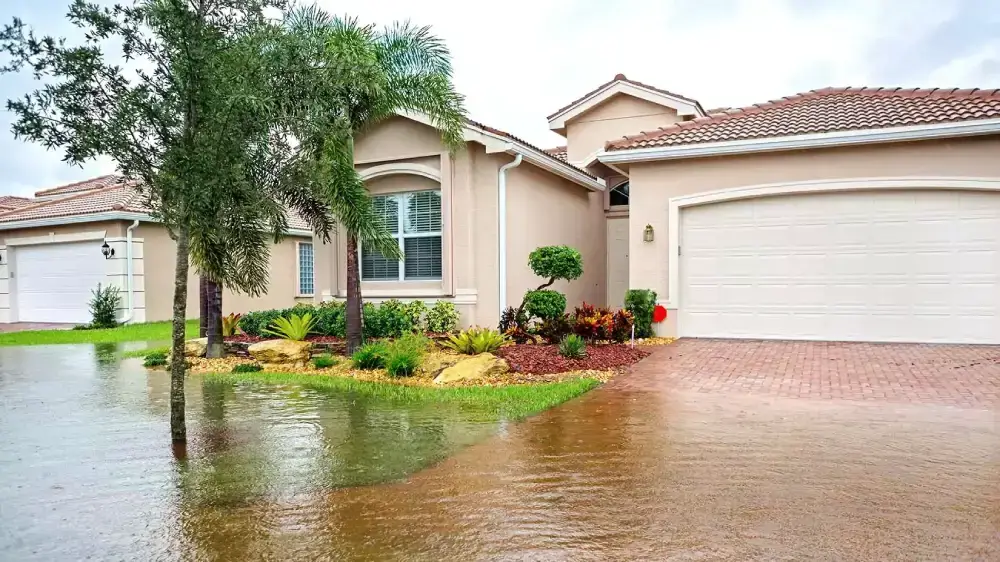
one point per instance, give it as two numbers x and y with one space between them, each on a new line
958 164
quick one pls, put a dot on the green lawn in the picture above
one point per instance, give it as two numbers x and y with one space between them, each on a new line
150 331
510 402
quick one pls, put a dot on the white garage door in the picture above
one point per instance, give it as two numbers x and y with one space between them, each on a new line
54 281
906 266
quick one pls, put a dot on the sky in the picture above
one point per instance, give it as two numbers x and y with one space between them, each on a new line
517 61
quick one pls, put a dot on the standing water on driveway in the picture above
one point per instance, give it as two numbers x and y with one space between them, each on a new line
650 467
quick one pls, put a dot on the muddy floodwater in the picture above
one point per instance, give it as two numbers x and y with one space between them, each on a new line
626 472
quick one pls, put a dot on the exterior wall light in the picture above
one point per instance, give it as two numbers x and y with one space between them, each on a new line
647 233
108 251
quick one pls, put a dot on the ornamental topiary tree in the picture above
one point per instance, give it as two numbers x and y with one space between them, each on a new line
552 263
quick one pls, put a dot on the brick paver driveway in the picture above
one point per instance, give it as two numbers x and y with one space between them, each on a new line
966 376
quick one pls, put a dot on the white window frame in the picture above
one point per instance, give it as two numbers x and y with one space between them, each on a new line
298 269
401 237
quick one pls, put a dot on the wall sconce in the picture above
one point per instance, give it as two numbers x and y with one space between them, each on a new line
108 251
647 233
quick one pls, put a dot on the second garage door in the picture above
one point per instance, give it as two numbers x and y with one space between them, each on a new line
900 266
53 282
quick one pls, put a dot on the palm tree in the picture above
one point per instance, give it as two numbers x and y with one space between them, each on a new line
374 74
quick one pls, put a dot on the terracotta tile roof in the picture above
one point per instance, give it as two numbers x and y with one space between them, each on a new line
559 152
621 78
826 110
495 131
119 196
76 187
8 202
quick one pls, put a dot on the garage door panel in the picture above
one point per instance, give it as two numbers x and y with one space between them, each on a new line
861 266
53 282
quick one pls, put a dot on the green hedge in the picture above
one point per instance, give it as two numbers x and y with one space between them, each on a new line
390 319
640 302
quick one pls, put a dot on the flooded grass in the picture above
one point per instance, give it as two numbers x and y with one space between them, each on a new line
147 331
144 352
511 402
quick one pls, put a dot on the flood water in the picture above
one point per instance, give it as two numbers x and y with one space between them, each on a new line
623 473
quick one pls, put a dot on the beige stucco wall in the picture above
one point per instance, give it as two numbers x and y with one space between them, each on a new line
161 255
653 184
545 210
396 139
619 116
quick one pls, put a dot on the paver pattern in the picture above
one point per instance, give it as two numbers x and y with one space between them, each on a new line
966 376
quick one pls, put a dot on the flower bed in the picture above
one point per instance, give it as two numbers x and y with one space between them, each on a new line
545 359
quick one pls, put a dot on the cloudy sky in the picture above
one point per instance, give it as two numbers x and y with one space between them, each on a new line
519 60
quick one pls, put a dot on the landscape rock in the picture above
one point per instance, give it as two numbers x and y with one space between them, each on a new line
281 351
434 363
472 368
196 347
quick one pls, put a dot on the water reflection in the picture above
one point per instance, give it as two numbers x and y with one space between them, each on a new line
292 474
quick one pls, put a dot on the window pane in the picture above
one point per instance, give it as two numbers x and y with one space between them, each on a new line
423 212
374 267
306 281
423 257
387 207
619 195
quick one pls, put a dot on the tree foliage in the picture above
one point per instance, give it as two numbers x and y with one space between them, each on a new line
556 262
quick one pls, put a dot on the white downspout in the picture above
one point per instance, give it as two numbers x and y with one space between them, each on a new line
502 219
130 280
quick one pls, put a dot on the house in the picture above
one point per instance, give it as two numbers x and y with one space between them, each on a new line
863 214
51 257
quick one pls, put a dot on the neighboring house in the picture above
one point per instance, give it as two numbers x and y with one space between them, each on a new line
51 257
838 214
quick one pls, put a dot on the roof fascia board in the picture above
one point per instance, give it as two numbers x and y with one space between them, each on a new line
800 142
495 144
100 217
683 107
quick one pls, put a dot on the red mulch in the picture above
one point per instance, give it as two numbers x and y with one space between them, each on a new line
545 359
243 338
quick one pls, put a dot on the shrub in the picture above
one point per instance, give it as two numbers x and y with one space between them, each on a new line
388 320
295 328
155 359
475 341
331 319
247 368
405 354
573 347
254 323
514 324
593 323
370 356
544 304
442 317
83 327
230 324
621 326
556 262
555 329
324 361
640 302
416 310
104 306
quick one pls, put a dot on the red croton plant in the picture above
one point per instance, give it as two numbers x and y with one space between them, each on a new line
598 323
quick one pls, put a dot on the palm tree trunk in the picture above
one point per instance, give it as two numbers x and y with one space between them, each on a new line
202 307
214 323
353 310
178 431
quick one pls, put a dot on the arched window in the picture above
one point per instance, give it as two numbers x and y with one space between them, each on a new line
619 194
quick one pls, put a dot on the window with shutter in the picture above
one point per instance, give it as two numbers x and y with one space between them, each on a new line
414 219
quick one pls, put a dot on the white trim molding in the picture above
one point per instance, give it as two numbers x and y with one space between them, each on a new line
54 238
557 121
801 142
676 204
401 168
